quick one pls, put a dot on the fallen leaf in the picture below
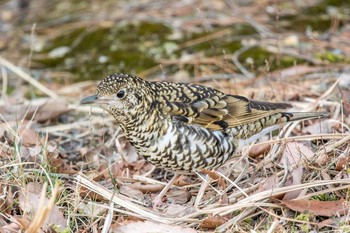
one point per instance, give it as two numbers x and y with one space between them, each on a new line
40 109
344 81
327 222
150 227
269 183
258 150
345 94
91 208
211 173
293 155
182 181
2 132
131 192
147 188
126 149
178 196
46 109
123 168
342 163
84 193
6 200
30 200
319 208
213 222
323 127
13 226
59 165
29 137
294 152
176 210
294 178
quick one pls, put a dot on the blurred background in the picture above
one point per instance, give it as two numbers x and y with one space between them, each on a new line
61 42
54 52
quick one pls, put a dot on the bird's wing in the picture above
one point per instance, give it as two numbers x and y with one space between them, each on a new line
216 110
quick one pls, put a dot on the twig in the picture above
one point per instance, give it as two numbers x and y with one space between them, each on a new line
235 60
27 77
4 82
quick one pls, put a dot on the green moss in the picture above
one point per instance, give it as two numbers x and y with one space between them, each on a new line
10 89
306 218
321 8
317 17
262 57
325 197
301 23
331 57
95 53
228 43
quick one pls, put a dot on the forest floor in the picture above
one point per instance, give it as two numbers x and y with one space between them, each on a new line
68 168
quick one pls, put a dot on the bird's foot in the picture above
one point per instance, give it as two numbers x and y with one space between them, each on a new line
157 202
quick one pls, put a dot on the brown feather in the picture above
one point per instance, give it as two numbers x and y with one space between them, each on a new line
216 110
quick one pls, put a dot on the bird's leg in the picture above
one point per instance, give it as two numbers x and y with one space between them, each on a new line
158 200
205 182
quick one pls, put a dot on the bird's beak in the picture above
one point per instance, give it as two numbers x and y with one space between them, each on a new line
89 100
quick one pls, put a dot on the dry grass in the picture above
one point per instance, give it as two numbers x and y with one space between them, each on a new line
65 167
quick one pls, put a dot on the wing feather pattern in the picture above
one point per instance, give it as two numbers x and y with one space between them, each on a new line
215 110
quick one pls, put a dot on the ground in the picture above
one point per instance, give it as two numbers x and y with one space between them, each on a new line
68 168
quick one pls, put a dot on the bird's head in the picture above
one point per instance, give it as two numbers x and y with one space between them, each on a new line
123 96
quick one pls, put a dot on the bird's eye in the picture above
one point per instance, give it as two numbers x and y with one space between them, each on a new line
121 94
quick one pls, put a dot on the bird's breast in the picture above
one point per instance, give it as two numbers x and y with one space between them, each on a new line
177 146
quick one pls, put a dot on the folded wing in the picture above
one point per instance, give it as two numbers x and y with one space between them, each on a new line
216 110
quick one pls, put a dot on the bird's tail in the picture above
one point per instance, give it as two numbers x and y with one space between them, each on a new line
297 116
250 132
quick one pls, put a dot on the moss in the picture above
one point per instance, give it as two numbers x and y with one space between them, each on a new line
331 57
122 49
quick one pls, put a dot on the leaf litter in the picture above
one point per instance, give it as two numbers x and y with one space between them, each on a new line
53 140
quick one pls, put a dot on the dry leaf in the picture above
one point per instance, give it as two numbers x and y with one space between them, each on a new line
130 192
47 109
344 82
294 153
150 227
14 226
258 150
6 199
41 109
178 196
2 132
84 193
213 222
268 184
176 210
294 178
182 180
59 165
30 200
126 149
29 137
211 173
346 101
342 163
91 208
323 127
327 222
147 188
319 208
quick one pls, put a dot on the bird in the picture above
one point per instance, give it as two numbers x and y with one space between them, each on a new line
185 127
